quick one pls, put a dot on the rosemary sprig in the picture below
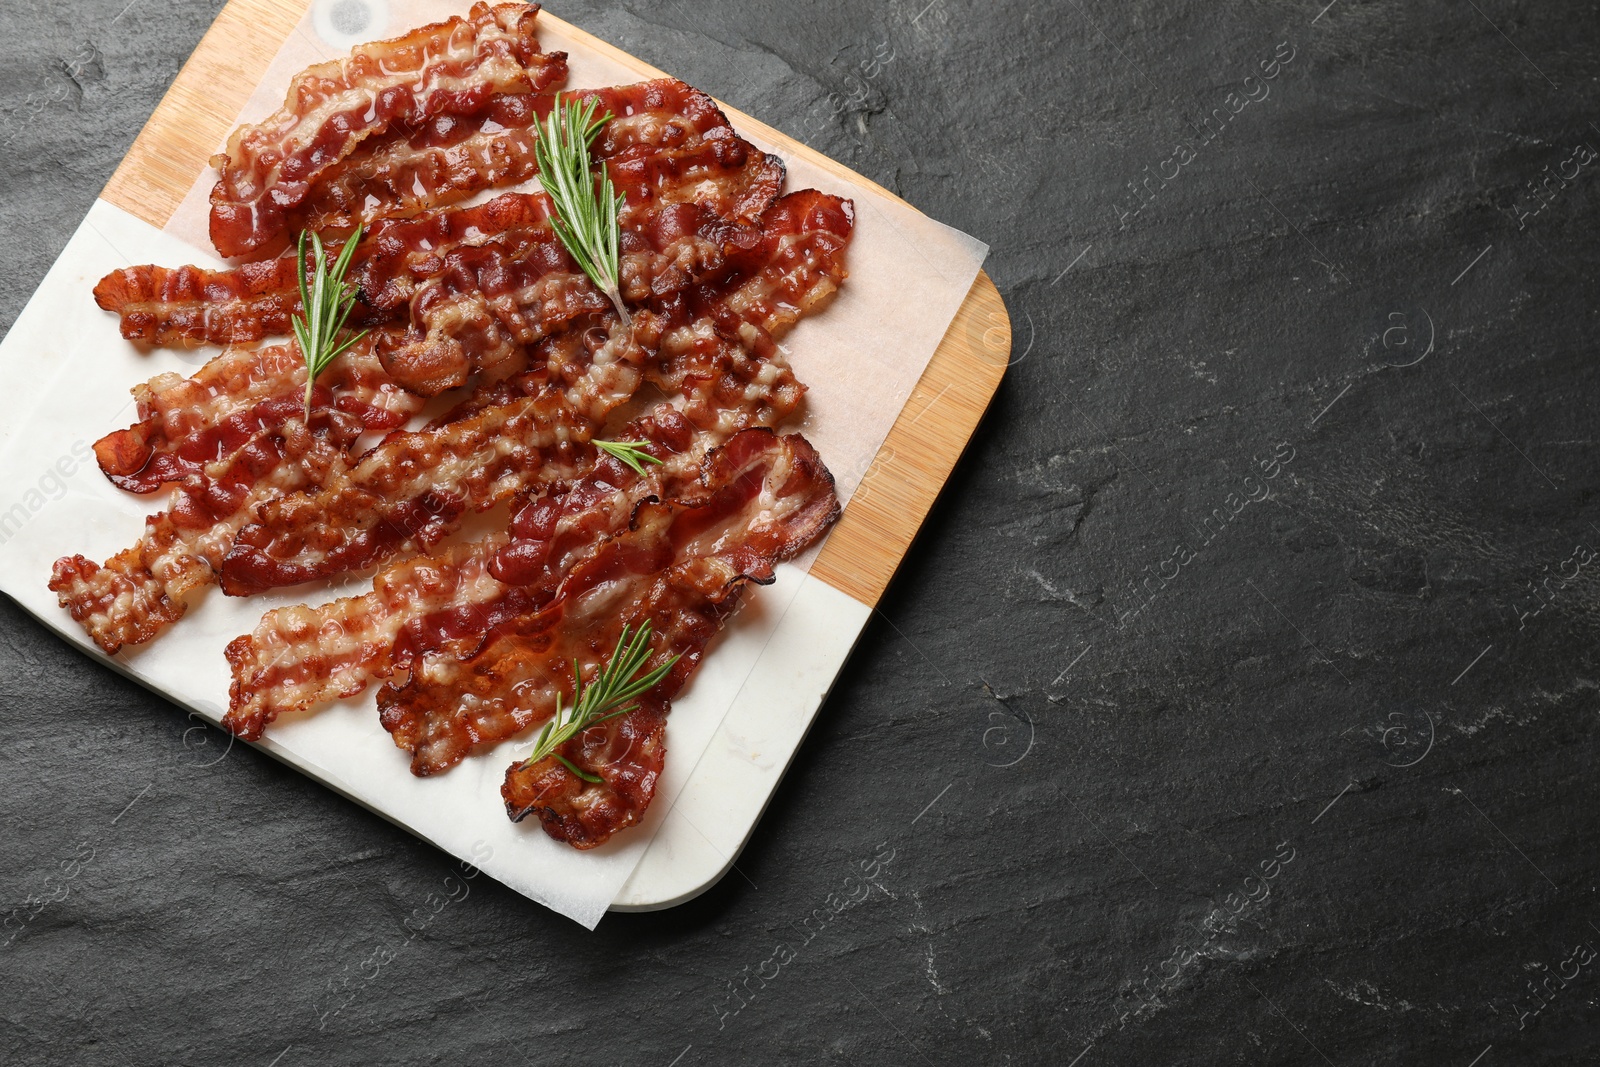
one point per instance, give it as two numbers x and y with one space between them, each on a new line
325 304
630 452
607 697
586 216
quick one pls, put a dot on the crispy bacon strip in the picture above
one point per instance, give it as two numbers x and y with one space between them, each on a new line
724 366
735 536
479 282
486 276
298 657
681 567
414 488
191 305
678 128
184 305
186 423
761 498
627 754
448 68
140 591
483 304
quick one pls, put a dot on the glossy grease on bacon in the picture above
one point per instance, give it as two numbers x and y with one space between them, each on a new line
456 67
415 488
299 657
186 423
662 126
142 590
475 642
679 566
767 498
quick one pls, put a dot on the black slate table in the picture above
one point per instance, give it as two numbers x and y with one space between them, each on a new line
1237 704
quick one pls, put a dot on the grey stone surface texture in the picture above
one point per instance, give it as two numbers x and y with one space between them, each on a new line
1236 705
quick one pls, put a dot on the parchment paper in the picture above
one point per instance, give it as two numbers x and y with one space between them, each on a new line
69 373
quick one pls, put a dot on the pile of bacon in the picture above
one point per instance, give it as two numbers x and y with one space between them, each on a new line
474 640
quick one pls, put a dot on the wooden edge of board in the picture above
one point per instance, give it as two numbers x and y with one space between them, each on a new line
875 532
197 112
883 517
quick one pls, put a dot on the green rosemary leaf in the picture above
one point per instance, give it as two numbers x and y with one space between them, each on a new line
325 305
630 452
585 775
587 206
611 694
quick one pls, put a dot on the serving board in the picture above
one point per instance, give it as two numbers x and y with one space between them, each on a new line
725 794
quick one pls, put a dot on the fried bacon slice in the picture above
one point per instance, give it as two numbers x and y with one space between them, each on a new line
186 423
661 130
759 500
191 305
485 303
414 488
724 365
298 657
455 67
503 256
682 567
627 754
140 591
494 271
